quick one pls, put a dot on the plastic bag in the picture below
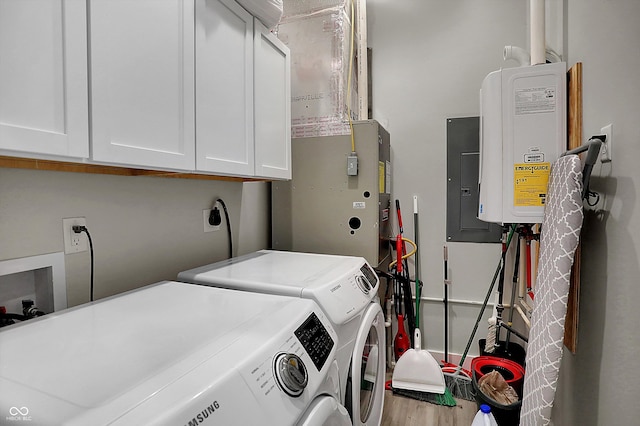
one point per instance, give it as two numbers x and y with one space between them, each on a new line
495 387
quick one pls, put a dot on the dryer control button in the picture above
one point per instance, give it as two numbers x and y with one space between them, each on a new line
291 374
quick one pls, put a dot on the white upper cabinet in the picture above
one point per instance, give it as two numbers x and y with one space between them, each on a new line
178 85
43 77
272 105
224 88
142 82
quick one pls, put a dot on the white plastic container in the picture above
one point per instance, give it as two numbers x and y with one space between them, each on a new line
484 417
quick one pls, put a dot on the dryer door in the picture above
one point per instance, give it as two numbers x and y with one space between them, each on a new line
365 392
325 411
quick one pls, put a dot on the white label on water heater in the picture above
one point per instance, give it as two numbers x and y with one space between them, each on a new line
535 100
359 205
534 158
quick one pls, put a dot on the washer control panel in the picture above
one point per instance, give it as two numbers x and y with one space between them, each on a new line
316 340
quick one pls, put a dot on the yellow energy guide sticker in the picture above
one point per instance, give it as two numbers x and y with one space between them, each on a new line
530 182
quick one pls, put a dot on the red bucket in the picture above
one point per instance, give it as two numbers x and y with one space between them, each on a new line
512 372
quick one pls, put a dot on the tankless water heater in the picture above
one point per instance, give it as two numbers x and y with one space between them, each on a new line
522 131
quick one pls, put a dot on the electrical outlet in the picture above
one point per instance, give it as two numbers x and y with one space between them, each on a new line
605 150
74 242
208 227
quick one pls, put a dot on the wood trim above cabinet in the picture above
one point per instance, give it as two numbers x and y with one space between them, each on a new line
62 166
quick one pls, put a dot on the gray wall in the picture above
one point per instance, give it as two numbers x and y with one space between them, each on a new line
429 58
599 385
144 229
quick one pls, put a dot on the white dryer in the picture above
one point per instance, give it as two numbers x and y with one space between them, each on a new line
176 354
345 287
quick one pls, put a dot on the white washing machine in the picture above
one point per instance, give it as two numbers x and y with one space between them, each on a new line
176 354
345 288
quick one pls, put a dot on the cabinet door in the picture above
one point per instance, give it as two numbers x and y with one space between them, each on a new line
224 88
272 105
43 77
142 82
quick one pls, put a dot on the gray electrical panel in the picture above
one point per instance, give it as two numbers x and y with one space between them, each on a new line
463 156
323 209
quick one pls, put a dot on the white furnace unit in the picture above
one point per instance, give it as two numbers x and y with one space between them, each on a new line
522 131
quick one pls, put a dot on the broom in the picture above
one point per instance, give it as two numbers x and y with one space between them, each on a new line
427 383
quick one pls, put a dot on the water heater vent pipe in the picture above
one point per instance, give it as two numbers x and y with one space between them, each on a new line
538 48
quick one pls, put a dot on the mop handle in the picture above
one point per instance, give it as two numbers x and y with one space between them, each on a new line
417 260
486 299
399 216
399 253
446 303
399 212
514 281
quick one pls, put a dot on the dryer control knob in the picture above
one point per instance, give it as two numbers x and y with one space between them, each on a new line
291 374
363 284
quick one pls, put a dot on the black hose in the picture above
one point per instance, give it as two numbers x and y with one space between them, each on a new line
514 331
18 317
382 274
409 308
387 278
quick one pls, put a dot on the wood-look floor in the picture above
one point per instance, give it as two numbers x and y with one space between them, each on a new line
402 411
